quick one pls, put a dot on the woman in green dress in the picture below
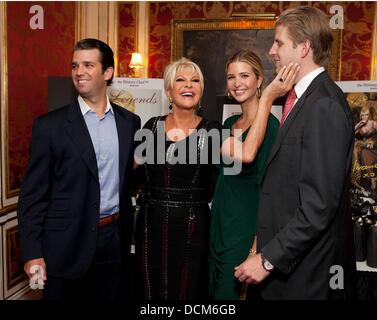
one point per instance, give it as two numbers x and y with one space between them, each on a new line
235 202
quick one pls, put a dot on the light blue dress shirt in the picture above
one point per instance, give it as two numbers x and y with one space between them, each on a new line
104 135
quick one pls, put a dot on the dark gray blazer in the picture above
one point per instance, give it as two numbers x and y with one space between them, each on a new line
59 202
304 224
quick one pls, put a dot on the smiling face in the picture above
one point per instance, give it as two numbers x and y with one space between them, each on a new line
88 76
242 82
364 115
283 49
186 90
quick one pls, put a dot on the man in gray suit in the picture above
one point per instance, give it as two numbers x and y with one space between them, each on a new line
304 237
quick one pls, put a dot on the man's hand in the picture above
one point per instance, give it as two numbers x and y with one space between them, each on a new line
34 262
283 82
251 270
36 270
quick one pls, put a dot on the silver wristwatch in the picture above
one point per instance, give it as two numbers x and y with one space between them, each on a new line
267 265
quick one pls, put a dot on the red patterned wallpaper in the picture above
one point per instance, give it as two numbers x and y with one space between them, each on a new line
127 35
357 40
356 50
33 55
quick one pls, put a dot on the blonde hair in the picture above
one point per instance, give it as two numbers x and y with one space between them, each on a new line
370 110
173 68
251 58
308 23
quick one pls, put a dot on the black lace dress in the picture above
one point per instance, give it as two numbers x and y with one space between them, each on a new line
173 222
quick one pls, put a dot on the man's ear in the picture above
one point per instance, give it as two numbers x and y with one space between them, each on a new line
305 48
109 73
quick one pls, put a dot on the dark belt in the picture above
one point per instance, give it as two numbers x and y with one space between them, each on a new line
108 219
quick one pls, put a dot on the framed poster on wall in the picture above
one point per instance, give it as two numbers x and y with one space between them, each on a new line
145 97
362 99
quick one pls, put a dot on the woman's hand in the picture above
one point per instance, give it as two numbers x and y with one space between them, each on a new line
283 82
360 124
247 151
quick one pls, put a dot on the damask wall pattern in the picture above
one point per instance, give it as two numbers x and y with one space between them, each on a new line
127 35
357 40
33 55
357 35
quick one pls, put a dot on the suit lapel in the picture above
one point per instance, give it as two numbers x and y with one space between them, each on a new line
124 137
80 137
293 114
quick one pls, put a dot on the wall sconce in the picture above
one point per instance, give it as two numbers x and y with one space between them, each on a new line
136 64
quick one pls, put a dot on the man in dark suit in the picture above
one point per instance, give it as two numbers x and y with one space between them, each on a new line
74 206
304 237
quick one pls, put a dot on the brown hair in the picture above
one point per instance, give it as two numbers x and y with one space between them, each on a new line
249 57
308 23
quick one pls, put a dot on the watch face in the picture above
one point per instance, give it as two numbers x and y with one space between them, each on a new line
266 264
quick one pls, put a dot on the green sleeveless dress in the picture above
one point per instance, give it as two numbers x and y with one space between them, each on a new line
234 217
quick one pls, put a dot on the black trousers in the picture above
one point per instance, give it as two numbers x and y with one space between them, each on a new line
103 279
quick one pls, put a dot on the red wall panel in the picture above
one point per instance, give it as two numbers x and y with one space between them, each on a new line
33 56
127 36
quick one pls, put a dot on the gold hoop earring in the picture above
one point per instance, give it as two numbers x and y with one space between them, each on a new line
230 97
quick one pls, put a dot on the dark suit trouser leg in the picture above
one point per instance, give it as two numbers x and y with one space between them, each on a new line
102 281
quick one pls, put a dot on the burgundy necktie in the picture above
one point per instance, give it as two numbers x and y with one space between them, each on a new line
288 104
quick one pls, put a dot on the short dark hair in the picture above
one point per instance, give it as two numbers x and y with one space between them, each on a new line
106 53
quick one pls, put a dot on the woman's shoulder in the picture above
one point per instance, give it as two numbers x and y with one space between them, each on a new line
231 120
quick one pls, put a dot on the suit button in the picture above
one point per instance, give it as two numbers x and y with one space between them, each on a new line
93 229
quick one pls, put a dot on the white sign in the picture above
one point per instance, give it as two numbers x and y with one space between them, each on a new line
357 86
145 97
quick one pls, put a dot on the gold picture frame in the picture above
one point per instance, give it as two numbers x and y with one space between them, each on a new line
252 22
210 42
9 196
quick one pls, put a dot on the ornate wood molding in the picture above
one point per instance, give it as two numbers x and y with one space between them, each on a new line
142 34
100 20
8 197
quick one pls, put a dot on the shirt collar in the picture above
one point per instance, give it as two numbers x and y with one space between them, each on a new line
304 83
85 108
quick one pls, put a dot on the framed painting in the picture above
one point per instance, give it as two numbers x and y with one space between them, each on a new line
210 43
